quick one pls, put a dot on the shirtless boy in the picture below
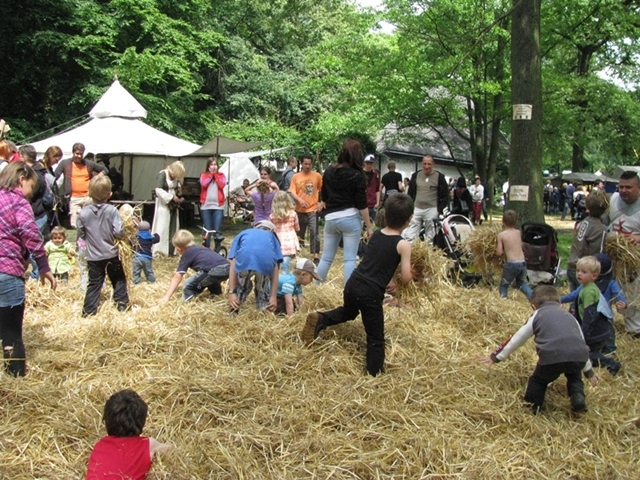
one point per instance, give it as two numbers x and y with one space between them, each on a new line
510 244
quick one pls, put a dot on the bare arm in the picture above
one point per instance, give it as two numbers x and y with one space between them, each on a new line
157 447
288 300
404 249
273 298
234 303
500 247
367 221
173 286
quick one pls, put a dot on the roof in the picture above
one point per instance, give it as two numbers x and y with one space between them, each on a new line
587 177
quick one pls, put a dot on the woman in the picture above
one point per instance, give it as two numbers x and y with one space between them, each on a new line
212 199
5 154
262 192
51 158
21 240
165 218
344 203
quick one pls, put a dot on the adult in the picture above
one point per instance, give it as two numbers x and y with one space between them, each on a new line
373 186
51 157
462 199
564 204
262 192
624 215
287 175
344 201
546 196
477 195
391 182
5 154
430 193
212 183
166 221
305 191
78 172
568 195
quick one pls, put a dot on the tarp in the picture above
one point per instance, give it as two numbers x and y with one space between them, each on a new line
223 146
625 168
586 177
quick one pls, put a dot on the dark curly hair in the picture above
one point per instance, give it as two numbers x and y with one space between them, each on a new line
125 414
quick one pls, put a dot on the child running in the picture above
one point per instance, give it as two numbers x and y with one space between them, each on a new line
285 218
19 240
99 224
510 244
364 291
124 453
59 252
560 347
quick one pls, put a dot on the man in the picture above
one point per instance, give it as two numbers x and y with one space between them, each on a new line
568 195
305 190
373 186
624 215
391 182
430 193
546 196
77 174
285 179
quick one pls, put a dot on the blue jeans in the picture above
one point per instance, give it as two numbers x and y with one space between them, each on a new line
11 315
285 266
11 290
203 279
515 271
43 226
143 264
350 230
212 220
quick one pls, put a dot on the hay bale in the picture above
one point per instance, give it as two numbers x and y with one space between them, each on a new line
131 217
625 255
482 244
430 266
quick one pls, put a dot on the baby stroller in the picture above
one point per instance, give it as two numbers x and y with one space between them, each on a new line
450 233
540 246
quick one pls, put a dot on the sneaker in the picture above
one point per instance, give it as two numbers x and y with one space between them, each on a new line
578 402
312 328
122 307
615 369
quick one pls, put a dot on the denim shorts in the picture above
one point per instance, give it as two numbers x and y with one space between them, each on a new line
11 290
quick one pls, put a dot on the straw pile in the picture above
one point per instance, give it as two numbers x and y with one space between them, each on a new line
430 266
130 217
482 244
625 255
241 397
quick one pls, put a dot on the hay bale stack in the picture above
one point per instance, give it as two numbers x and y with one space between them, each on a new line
625 255
482 244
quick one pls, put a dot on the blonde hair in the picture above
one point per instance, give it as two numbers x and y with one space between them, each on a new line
176 170
100 189
182 239
282 205
58 230
589 264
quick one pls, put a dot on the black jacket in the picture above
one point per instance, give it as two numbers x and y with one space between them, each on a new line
443 190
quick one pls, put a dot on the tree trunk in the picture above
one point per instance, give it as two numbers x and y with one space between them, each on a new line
525 169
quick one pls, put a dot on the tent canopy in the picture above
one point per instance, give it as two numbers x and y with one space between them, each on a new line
586 177
625 168
223 146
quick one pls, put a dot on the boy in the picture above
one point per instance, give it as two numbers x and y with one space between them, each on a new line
255 253
143 259
99 225
290 284
589 235
211 268
364 291
124 453
594 314
560 347
510 244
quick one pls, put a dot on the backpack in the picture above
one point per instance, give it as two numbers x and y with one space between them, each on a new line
581 202
285 180
49 197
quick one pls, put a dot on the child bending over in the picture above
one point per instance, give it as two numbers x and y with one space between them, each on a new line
290 285
124 453
510 244
59 252
99 224
364 291
560 347
284 217
211 268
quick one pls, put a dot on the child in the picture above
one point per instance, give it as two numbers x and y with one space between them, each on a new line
589 235
255 253
594 314
284 217
143 259
59 252
560 347
99 225
611 291
211 268
124 453
510 243
364 291
20 239
290 284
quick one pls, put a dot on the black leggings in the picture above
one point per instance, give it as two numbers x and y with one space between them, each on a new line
12 345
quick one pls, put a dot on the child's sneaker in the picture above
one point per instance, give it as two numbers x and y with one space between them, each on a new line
615 369
312 327
578 402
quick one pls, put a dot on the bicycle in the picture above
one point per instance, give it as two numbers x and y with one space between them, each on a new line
217 242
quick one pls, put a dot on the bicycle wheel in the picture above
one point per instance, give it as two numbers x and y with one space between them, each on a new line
222 251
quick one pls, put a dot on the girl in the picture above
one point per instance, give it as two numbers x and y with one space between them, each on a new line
59 253
165 218
262 192
212 199
20 239
285 218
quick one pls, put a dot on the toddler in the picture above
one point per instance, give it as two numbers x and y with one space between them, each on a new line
290 285
285 218
143 259
510 244
124 453
59 252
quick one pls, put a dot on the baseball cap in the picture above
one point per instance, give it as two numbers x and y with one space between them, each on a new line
306 265
266 225
144 226
370 158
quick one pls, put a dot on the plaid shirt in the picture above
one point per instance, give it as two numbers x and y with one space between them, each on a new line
19 235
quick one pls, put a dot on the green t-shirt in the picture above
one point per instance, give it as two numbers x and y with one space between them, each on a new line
589 295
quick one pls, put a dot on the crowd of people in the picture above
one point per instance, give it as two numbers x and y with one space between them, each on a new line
265 259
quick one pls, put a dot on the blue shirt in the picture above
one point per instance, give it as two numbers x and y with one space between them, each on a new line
256 250
287 285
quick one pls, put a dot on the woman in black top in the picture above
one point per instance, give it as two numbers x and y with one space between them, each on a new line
344 203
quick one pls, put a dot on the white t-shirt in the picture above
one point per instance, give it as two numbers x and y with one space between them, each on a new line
624 218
